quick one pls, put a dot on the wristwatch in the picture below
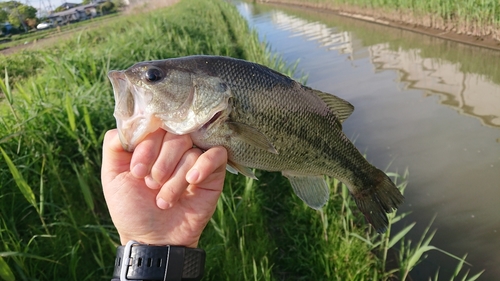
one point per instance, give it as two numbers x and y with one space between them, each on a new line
142 262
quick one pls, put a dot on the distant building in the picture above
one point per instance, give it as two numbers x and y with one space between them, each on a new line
67 6
75 12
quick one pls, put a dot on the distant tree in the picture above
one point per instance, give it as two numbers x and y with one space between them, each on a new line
20 13
8 6
27 11
14 18
5 5
4 15
85 2
107 7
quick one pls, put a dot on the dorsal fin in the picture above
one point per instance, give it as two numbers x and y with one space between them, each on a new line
340 107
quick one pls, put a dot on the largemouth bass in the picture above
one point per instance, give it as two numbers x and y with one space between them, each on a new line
264 119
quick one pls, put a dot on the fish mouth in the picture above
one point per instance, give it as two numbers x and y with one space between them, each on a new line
133 120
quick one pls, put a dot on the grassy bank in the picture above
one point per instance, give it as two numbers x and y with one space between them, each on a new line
54 223
476 18
58 103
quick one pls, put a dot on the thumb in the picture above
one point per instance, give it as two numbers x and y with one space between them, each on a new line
115 160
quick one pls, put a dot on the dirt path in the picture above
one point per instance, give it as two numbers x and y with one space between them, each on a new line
41 43
52 39
479 41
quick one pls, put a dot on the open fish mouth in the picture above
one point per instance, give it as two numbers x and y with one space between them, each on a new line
133 120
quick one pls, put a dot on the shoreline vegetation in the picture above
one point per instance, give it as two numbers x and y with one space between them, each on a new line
470 22
58 104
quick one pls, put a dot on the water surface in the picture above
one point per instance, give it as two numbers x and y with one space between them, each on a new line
422 103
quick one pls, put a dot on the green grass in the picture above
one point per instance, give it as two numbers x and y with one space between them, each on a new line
472 17
57 105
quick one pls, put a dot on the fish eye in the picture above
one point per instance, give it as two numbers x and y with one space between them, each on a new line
154 75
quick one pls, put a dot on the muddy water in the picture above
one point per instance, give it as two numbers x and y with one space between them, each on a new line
425 104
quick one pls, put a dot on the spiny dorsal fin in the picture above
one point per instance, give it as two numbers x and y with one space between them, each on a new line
340 107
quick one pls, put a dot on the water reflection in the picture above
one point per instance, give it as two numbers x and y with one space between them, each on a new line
469 93
407 90
315 31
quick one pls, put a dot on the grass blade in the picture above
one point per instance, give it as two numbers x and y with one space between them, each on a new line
87 195
21 183
5 87
86 117
400 235
459 267
416 257
5 271
70 113
475 277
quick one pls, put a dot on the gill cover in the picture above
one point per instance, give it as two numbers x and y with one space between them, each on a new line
152 95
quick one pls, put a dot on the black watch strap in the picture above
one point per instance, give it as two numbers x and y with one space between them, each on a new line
167 263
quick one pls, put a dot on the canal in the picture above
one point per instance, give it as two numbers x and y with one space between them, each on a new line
423 104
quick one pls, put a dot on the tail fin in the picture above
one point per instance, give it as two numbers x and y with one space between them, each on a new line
381 198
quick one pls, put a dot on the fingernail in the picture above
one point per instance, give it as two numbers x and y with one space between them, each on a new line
139 171
162 204
151 183
192 176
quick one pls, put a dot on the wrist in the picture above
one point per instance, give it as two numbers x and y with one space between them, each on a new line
148 262
188 243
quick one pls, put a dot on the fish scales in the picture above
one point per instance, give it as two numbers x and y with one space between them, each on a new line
263 118
302 121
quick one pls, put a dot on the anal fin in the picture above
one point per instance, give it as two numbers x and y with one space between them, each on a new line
313 190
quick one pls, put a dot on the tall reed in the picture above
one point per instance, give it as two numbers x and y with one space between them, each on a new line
478 18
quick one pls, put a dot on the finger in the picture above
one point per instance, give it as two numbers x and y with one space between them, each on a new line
209 165
115 159
145 154
172 150
175 186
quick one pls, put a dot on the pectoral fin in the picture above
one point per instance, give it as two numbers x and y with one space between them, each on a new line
313 190
236 168
251 136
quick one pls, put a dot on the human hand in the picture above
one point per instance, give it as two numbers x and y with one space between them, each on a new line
163 193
